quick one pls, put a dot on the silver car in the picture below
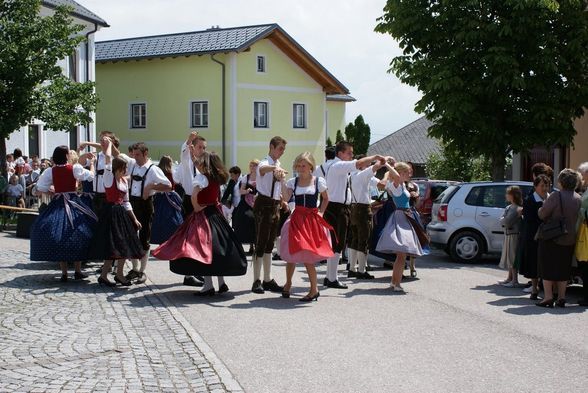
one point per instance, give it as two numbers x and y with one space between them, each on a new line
465 218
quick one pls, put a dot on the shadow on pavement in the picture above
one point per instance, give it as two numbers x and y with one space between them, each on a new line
534 310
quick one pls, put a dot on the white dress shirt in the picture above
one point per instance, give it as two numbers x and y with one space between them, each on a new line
98 179
264 183
337 178
323 169
154 176
360 185
186 170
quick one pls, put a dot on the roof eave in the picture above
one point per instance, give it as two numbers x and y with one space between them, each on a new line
100 22
163 56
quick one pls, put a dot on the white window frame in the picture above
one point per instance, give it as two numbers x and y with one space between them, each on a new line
132 125
295 125
264 57
202 115
267 114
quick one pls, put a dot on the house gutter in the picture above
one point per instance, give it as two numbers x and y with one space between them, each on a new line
88 72
223 105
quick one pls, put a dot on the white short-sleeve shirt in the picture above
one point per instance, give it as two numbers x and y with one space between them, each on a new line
360 185
264 183
337 180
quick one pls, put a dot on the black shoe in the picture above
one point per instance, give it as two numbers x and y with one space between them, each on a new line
583 302
209 292
126 283
368 268
534 296
561 303
223 288
276 257
310 298
334 284
545 303
257 287
141 279
199 278
80 276
131 275
272 286
63 278
192 281
323 261
351 274
105 281
364 276
342 261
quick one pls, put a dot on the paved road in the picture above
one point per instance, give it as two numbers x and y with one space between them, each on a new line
454 331
80 337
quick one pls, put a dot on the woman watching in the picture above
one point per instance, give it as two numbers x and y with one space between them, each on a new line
555 255
583 216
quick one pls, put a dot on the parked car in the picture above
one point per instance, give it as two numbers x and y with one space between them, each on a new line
429 190
465 218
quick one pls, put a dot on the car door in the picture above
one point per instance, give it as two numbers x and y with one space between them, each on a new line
490 204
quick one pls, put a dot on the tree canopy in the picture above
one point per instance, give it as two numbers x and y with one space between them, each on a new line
497 76
358 133
32 84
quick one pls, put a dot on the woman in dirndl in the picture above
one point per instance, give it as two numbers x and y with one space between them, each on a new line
243 220
116 237
64 229
205 245
167 215
305 236
402 234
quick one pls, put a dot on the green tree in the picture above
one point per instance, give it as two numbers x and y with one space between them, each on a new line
32 84
358 133
450 164
329 141
497 76
339 136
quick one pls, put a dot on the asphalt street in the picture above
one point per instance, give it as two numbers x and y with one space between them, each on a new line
454 330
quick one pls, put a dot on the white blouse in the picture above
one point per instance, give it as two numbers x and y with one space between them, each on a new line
308 190
46 179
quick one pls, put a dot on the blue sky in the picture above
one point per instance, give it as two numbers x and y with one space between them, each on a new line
338 33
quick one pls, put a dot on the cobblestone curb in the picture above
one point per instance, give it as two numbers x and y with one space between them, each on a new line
81 337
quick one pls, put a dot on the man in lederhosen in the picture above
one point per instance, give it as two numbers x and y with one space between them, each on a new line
191 149
338 209
360 184
266 210
145 179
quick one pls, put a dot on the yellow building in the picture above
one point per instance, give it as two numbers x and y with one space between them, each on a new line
238 87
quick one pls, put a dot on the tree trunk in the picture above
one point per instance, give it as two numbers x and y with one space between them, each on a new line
3 156
498 164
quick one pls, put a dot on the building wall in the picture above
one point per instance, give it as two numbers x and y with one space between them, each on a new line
335 118
168 85
579 153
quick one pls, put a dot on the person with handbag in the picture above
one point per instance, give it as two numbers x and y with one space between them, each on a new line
582 240
557 237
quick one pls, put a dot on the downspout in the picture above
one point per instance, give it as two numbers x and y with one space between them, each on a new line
223 105
88 73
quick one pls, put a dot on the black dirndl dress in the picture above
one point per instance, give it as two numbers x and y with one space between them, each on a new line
243 220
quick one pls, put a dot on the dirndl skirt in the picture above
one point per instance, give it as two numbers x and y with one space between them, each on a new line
243 222
380 219
63 231
116 236
204 245
398 236
167 217
305 237
509 251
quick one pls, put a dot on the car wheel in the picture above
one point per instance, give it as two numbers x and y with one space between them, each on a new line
466 247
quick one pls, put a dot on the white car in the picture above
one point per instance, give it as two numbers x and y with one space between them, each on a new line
465 218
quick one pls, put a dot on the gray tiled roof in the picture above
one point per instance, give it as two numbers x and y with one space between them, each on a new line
409 143
78 10
196 42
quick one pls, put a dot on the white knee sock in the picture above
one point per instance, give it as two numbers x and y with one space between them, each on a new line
277 243
144 260
332 265
221 281
362 261
267 267
207 283
352 258
135 264
257 261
